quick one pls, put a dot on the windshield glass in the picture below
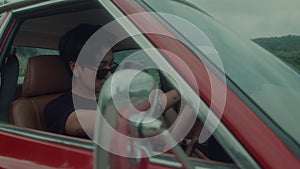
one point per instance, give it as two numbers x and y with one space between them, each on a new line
268 81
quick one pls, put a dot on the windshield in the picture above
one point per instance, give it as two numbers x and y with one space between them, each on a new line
270 83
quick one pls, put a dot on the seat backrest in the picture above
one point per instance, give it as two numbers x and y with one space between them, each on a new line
45 79
9 80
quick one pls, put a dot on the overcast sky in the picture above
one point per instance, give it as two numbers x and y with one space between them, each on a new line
255 18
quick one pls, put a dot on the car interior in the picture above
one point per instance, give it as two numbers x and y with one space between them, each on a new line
33 74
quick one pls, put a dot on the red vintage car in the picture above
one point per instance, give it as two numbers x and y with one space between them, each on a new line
241 103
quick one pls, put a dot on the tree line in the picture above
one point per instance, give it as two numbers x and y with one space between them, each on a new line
286 48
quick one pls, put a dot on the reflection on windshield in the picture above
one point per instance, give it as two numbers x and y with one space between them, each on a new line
264 78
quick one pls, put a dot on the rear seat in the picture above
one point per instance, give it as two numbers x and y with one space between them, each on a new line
45 79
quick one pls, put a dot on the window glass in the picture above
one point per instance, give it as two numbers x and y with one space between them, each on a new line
137 54
2 19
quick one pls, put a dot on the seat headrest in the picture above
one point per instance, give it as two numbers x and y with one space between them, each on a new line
46 74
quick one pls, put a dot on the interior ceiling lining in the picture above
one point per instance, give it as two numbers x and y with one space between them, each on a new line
45 32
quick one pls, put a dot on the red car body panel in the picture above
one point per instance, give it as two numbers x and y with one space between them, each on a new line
257 138
32 153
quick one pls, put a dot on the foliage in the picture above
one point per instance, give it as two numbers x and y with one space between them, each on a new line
286 48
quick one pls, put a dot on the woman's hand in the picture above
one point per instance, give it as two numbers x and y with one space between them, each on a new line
169 98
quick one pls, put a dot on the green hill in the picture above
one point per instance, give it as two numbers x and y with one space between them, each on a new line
286 48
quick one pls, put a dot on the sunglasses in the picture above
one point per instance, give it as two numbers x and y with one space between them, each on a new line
102 72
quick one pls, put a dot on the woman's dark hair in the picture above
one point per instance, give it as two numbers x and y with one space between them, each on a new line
72 42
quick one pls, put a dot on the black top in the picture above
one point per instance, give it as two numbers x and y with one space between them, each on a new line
57 111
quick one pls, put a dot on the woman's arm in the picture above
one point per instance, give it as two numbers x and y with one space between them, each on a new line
81 123
170 98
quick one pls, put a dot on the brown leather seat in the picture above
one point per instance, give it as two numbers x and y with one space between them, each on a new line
46 78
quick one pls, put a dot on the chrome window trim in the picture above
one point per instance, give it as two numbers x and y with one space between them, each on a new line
4 25
168 163
39 4
6 20
31 134
174 164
